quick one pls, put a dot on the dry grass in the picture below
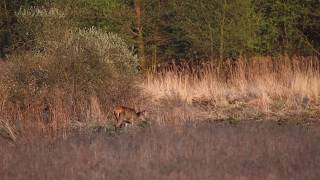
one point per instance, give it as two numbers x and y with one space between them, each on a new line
273 87
193 151
48 113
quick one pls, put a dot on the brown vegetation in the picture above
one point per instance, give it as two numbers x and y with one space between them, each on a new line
207 150
199 124
258 88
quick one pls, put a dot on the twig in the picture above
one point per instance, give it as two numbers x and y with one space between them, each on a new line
308 42
9 130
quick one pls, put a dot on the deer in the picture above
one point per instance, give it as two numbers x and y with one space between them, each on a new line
128 115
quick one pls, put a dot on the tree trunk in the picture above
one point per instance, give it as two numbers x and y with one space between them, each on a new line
222 23
211 43
5 31
141 55
156 37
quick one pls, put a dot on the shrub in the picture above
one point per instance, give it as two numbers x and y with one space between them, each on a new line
65 70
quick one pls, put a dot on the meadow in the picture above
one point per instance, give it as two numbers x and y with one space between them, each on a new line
206 150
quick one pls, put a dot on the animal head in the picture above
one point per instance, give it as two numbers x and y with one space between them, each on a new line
142 115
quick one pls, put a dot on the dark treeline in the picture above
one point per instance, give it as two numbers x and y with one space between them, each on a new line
185 29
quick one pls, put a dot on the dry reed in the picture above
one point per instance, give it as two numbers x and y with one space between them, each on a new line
272 86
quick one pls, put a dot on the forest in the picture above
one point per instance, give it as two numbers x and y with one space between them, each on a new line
160 30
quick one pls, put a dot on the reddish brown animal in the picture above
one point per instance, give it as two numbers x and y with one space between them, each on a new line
127 115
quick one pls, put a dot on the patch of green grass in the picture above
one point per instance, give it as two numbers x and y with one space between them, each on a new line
233 120
260 115
278 105
107 128
5 134
143 124
110 129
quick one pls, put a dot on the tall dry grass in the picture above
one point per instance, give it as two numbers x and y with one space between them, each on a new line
265 85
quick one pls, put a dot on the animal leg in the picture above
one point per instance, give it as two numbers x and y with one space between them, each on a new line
118 119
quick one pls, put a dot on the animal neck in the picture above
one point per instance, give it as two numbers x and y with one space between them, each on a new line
140 113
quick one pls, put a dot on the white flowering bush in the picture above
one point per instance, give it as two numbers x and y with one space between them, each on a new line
37 12
110 49
50 31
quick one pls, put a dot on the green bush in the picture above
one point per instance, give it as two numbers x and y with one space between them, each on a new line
80 63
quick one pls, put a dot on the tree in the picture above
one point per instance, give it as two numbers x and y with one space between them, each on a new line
139 28
288 27
12 34
218 27
164 39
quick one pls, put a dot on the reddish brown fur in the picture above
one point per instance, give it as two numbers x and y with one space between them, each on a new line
126 115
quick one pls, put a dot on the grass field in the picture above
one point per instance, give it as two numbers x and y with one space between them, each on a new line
206 150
